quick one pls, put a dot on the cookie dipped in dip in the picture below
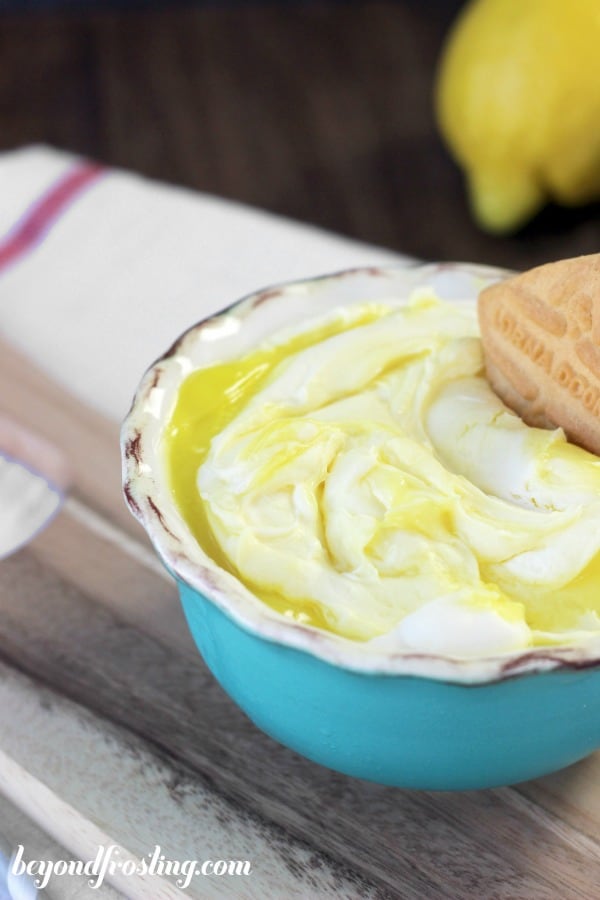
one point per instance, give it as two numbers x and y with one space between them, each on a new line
360 475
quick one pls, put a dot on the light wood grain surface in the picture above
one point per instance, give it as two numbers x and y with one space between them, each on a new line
113 728
17 829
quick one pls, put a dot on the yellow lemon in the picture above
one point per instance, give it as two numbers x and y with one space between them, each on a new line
518 101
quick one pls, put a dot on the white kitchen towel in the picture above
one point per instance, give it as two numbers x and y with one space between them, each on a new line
100 270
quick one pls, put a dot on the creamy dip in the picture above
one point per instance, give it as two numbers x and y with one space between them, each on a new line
362 477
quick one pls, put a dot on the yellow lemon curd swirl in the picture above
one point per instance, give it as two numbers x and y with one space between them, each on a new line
363 478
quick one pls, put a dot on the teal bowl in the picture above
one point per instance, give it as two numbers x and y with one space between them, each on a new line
412 720
402 730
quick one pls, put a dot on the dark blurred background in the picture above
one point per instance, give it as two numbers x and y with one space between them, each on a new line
321 111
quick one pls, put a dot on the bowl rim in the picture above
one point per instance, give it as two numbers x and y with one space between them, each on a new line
148 498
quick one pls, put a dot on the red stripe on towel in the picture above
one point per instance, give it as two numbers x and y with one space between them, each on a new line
40 217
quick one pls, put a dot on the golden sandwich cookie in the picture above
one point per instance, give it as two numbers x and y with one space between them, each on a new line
541 339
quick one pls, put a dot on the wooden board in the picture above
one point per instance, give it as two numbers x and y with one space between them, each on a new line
113 729
18 829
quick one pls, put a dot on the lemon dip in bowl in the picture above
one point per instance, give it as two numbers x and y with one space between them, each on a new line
384 566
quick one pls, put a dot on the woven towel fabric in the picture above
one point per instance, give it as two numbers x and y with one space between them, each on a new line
100 270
